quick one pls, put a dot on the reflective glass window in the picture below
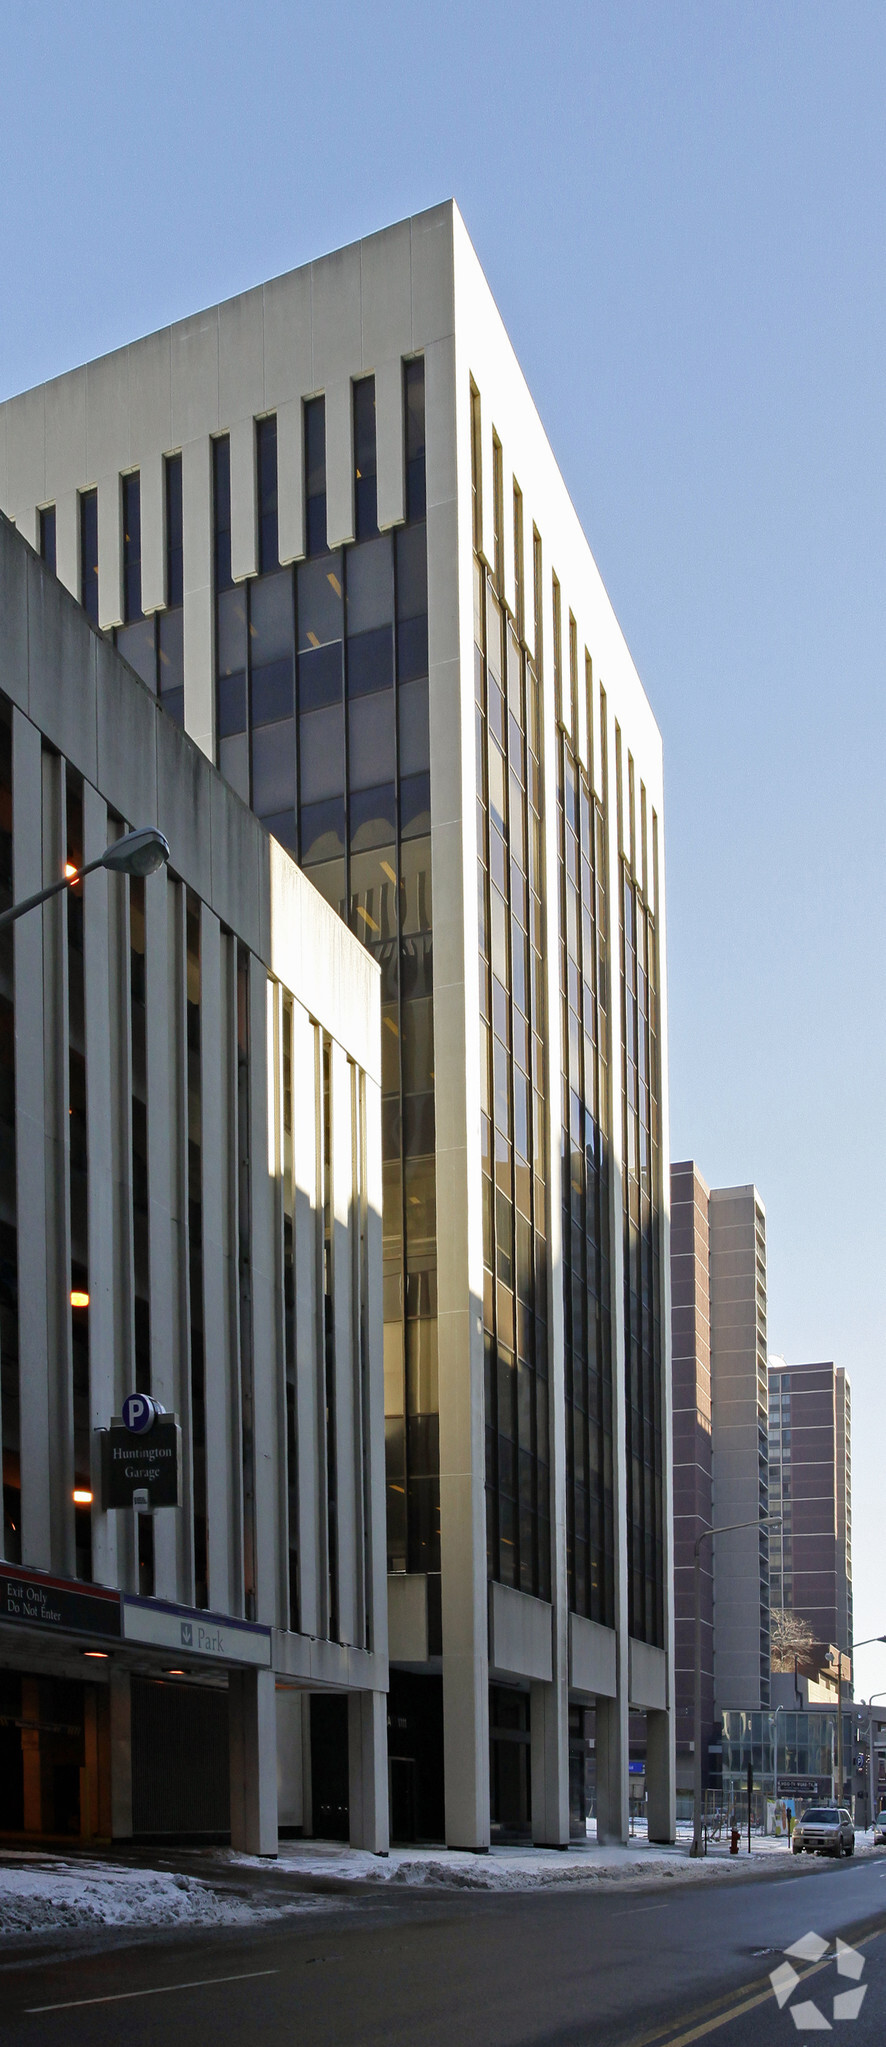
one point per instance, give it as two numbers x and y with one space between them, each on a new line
371 740
221 505
322 754
414 731
266 483
414 380
315 475
365 485
273 767
89 554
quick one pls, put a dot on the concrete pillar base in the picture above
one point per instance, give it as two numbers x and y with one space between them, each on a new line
120 1742
549 1729
253 1759
612 1771
660 1777
369 1825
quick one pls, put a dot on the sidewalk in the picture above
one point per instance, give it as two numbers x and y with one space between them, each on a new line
42 1892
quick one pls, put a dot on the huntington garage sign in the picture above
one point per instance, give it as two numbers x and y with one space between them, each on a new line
141 1456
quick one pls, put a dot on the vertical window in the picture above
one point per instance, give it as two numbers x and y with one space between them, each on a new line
169 623
365 460
230 633
244 1266
47 536
221 505
558 651
195 1245
78 1189
132 547
289 1322
498 515
140 1205
642 1263
136 638
416 493
329 1347
315 475
175 572
89 554
476 470
266 468
9 1364
519 581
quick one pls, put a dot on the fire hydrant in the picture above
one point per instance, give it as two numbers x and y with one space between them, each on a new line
733 1840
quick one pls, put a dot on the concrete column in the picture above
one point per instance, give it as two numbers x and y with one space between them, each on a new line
612 1770
89 1771
290 1761
31 1776
120 1702
368 1771
661 1777
253 1756
549 1730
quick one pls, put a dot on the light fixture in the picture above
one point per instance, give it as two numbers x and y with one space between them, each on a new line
70 870
97 1655
138 853
173 1673
79 1298
81 1496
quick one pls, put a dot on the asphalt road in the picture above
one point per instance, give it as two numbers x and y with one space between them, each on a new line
555 1969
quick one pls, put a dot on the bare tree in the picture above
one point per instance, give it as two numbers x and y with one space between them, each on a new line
790 1636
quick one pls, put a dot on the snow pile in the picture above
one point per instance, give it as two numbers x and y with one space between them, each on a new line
44 1895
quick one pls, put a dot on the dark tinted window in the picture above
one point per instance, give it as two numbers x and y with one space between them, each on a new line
221 493
47 536
89 553
415 439
132 548
315 475
266 463
365 479
175 578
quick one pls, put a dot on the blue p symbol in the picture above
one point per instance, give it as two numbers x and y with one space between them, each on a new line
138 1413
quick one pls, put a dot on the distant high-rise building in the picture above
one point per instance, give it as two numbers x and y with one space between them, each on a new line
718 1297
811 1490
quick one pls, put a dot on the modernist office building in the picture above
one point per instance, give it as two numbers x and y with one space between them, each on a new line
810 1463
718 1293
324 523
190 1207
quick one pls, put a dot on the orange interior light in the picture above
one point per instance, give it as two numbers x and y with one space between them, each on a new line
70 870
81 1497
78 1298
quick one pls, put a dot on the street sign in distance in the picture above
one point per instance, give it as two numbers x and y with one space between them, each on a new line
149 1464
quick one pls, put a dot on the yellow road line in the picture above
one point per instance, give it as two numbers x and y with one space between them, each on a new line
665 2037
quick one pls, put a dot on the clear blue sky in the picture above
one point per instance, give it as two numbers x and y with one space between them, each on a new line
680 208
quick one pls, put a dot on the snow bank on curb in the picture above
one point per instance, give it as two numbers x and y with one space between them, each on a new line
51 1897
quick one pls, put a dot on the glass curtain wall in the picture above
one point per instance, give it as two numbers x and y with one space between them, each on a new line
512 1030
641 1115
587 1320
322 709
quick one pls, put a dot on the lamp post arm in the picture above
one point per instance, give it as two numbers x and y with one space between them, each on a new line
43 894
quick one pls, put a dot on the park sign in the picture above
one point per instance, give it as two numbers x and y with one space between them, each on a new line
147 1463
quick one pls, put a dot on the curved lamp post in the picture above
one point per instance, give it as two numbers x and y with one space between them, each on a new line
138 853
852 1646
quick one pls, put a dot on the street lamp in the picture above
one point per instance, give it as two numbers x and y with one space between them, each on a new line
773 1721
866 1644
872 1781
138 853
763 1521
